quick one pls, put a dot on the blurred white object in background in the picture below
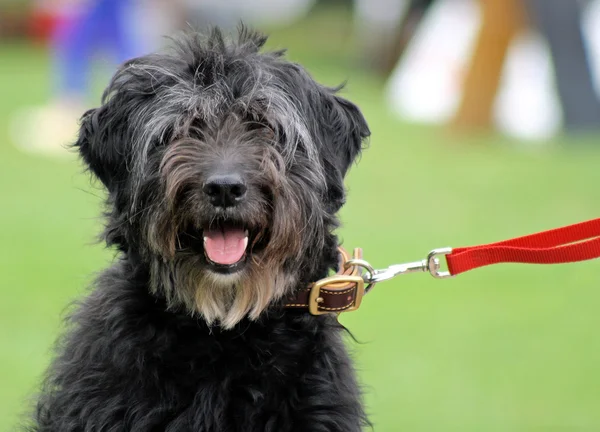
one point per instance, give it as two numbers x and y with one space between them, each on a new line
427 84
527 104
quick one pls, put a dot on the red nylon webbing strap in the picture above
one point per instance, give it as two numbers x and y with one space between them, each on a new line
572 243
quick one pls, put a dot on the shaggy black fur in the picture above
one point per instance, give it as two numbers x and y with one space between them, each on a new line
166 341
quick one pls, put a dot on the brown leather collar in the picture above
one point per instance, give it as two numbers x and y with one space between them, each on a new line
341 292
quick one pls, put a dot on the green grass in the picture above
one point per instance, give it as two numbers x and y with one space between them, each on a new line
504 348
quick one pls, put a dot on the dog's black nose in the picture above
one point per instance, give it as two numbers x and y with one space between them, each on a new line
224 190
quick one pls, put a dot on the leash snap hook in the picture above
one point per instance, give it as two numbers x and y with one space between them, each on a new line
431 265
399 269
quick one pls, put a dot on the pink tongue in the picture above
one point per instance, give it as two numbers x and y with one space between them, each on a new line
225 246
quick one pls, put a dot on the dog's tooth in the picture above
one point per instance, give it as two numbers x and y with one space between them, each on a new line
205 239
245 242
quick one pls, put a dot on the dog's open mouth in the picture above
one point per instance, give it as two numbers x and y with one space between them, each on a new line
225 245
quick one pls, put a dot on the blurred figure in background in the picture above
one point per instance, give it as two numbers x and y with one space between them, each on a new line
117 29
572 55
120 30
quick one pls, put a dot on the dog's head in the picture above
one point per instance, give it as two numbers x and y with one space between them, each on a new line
224 168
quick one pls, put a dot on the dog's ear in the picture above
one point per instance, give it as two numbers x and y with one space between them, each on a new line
346 131
100 145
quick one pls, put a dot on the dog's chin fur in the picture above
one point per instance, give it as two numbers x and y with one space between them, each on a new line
228 298
219 299
165 341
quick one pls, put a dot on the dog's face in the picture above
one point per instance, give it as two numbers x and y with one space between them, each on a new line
224 168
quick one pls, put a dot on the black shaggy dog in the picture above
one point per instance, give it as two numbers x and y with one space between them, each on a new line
224 168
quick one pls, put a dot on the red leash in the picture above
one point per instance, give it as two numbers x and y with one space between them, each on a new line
572 243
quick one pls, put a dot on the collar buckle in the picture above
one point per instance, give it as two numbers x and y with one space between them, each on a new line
336 294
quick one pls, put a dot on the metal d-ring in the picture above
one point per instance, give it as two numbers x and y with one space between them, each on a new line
365 265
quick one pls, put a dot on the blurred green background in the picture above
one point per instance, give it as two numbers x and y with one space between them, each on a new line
504 348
